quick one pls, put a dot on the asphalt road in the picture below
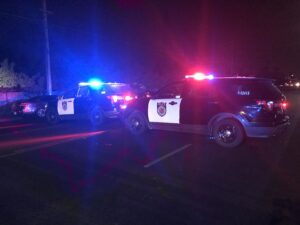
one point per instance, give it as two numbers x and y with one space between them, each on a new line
72 173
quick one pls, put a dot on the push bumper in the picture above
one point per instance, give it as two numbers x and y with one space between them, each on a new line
263 131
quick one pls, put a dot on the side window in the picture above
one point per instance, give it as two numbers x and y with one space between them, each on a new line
83 92
200 91
70 94
171 91
234 90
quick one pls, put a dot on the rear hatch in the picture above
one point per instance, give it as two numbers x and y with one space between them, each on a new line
258 100
268 102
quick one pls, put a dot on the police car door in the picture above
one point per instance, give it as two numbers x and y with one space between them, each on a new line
165 106
65 105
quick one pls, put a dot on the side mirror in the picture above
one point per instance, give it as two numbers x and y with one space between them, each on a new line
60 97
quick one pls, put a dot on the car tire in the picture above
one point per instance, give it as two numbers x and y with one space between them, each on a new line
136 123
96 116
52 116
228 133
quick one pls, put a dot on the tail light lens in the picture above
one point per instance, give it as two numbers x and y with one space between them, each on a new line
266 105
284 105
270 105
117 98
128 98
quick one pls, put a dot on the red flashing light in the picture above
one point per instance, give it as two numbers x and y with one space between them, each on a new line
200 76
284 105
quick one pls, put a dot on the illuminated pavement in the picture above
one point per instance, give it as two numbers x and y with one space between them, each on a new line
71 173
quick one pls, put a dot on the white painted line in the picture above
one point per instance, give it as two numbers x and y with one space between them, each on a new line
167 155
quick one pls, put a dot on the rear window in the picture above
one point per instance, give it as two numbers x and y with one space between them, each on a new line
105 89
265 89
117 89
251 89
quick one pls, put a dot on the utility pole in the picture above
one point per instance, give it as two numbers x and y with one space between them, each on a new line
47 50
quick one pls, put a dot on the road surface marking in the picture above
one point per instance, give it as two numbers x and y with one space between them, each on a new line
167 155
47 145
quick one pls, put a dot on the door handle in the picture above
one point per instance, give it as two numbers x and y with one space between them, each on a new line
214 102
172 103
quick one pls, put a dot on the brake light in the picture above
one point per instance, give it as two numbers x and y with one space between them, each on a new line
128 98
284 105
267 105
115 98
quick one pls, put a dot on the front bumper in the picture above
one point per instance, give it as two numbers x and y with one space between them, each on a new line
263 131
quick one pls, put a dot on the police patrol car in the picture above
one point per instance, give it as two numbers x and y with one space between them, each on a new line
92 101
228 109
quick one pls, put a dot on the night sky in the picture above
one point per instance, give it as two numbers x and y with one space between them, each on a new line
142 40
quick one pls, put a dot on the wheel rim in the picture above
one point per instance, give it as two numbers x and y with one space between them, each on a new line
135 124
227 133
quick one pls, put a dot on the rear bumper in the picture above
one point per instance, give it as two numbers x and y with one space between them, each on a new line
259 131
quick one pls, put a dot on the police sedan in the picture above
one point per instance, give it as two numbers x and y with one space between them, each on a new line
228 109
94 101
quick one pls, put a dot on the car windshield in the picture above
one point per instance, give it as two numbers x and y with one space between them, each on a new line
111 89
118 88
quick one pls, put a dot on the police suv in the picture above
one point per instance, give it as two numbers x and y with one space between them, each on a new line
92 101
228 109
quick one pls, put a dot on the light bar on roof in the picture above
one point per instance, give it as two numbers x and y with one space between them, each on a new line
200 76
93 83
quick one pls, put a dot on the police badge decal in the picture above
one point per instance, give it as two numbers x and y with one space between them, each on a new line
64 105
161 108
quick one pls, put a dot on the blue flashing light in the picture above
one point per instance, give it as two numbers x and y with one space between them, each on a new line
210 77
93 83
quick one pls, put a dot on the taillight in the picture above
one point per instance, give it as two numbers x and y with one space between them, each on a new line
120 99
284 105
270 105
266 105
115 98
128 98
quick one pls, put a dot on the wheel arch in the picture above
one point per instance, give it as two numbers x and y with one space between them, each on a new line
222 116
